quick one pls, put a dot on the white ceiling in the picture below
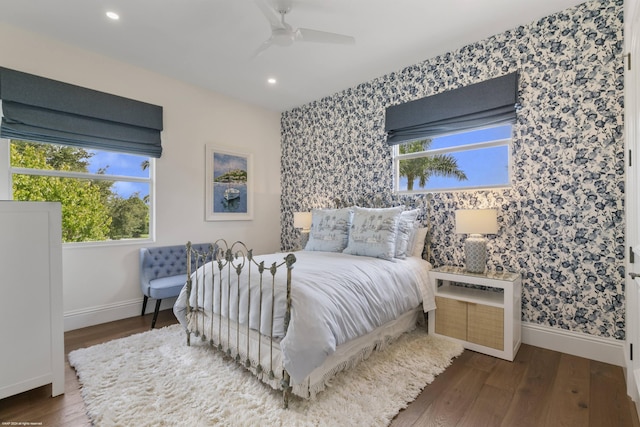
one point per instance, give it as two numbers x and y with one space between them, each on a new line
210 43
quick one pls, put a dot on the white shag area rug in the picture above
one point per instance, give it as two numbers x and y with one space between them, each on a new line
155 379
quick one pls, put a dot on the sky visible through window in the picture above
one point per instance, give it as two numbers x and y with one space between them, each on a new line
484 167
121 164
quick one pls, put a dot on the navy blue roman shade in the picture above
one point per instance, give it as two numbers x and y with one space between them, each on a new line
487 103
43 110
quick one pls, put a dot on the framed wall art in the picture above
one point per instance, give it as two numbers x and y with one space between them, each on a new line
229 185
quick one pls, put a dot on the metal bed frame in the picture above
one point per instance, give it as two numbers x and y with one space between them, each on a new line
234 260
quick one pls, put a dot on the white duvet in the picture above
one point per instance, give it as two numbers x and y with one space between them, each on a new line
335 298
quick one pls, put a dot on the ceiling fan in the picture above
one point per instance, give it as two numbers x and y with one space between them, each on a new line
283 34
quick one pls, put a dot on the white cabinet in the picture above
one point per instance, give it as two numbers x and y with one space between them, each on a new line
31 317
481 311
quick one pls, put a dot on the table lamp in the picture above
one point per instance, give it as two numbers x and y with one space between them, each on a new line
302 222
476 223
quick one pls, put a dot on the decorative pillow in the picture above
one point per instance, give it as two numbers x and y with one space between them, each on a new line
373 232
419 242
329 229
406 231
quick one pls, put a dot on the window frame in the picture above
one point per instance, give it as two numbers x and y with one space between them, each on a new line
90 176
508 142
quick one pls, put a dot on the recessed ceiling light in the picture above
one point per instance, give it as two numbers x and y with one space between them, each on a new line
113 15
272 80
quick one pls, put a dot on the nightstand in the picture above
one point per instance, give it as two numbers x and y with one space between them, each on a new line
481 311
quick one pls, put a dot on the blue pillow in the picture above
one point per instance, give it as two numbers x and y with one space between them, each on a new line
373 232
329 230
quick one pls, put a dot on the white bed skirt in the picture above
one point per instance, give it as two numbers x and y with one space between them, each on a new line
345 357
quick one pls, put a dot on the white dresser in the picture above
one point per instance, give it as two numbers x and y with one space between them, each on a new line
31 316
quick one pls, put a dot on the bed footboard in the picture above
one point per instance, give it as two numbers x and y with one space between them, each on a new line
225 301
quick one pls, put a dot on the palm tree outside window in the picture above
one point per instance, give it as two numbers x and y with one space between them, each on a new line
476 159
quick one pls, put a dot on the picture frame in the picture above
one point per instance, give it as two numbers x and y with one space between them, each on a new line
229 185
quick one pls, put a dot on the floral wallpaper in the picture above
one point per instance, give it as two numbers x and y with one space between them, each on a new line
561 222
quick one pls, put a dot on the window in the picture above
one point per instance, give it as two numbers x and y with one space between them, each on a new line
474 159
105 196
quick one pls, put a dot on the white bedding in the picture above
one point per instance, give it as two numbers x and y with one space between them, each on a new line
335 298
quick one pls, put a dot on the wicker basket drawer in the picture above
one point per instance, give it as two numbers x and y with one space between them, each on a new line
485 325
451 318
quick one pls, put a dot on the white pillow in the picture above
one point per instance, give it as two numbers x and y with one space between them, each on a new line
329 230
373 232
419 242
405 234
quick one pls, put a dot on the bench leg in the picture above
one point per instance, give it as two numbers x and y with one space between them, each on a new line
155 313
144 304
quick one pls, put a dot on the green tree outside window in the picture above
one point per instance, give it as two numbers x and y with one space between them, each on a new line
422 168
91 210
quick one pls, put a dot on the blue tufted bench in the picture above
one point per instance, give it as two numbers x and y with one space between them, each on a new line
163 273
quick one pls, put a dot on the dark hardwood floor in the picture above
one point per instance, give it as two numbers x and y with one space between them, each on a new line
540 388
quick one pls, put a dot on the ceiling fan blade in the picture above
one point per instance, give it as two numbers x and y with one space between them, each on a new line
264 46
315 36
275 20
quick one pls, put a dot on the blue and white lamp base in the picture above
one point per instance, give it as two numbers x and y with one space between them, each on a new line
475 253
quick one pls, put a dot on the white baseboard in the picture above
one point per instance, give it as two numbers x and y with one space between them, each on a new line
605 350
109 312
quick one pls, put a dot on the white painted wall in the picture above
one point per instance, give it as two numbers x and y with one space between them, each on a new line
101 283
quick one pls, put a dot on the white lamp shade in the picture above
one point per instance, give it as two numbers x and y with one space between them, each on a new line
302 220
476 221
